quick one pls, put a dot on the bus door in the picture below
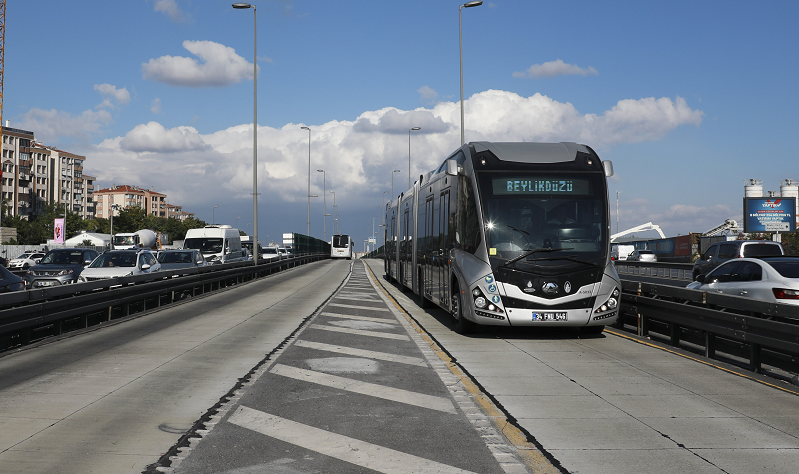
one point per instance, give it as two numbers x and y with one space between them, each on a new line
429 250
442 269
392 249
405 260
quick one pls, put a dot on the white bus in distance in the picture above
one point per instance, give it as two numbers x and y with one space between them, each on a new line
341 246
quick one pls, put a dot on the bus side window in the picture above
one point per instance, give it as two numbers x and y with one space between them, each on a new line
468 228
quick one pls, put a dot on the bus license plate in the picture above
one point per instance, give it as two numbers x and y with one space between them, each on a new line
549 316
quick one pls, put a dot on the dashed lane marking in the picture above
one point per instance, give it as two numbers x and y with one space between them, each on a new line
365 388
362 353
351 450
359 318
359 307
360 332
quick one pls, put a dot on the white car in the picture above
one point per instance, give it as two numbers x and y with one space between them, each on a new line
27 259
118 263
772 279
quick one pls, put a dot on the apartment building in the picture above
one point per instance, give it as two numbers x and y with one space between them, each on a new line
177 212
125 195
34 175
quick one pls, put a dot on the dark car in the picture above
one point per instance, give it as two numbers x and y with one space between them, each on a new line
720 252
178 259
10 282
59 267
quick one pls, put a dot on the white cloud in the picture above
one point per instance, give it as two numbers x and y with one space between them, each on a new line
170 8
51 125
359 155
428 94
112 95
220 66
154 138
155 107
555 68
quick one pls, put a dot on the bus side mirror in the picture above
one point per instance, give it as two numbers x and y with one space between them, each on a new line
608 166
452 167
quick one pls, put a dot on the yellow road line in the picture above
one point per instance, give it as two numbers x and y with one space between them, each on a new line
527 451
739 374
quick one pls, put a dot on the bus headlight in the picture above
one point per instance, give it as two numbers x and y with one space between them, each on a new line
611 304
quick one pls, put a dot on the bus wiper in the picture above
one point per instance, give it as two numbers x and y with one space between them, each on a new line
530 252
571 258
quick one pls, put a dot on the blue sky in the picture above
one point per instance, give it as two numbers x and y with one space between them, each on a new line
687 99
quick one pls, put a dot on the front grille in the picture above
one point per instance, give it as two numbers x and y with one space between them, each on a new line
96 278
45 273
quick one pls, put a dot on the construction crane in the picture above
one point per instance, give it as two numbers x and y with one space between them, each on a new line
640 228
729 225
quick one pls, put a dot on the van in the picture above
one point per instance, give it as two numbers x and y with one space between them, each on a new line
217 243
621 252
720 252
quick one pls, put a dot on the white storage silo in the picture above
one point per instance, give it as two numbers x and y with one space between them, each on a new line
753 188
790 188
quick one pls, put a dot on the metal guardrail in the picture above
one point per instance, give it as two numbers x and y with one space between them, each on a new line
739 330
677 271
26 316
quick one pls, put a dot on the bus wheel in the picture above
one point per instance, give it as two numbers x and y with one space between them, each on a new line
592 330
462 325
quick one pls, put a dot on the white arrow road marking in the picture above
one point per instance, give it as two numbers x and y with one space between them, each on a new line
365 388
351 450
362 353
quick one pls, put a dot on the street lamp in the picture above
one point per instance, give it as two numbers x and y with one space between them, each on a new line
409 154
460 42
324 203
213 220
617 211
309 179
392 183
237 222
335 217
254 125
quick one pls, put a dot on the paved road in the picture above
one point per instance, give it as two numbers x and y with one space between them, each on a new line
616 405
114 398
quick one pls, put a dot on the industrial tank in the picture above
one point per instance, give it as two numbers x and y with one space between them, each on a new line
753 188
789 188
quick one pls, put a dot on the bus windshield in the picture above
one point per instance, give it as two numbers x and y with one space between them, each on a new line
341 241
524 211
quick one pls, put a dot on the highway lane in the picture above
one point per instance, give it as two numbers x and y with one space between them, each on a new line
114 398
616 404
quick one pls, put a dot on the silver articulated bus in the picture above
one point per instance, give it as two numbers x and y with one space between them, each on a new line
341 246
510 234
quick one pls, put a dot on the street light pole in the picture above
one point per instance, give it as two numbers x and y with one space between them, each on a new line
213 220
392 183
617 211
237 222
409 154
335 217
254 126
324 203
460 42
309 179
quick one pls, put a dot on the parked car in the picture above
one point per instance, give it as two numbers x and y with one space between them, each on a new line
25 261
59 267
642 256
10 282
772 279
177 259
721 252
117 263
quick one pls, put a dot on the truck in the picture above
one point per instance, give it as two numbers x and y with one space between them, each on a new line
621 251
144 238
218 243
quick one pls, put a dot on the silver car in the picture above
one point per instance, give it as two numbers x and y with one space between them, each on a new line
772 279
118 263
642 256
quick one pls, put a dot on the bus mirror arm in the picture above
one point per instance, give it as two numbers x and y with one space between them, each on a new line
452 167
